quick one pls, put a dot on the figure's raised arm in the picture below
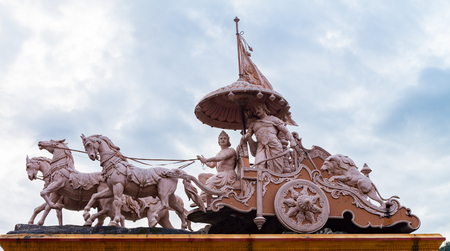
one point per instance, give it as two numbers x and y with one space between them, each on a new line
227 154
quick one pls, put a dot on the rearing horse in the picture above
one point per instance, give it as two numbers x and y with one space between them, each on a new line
65 181
42 164
124 178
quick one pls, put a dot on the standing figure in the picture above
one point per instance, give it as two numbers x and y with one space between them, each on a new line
224 162
268 148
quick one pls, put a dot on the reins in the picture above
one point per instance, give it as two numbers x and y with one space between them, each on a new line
139 160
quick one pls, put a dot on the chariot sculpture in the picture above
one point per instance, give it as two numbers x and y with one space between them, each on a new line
288 188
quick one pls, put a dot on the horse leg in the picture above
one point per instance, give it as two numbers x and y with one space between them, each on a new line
53 187
117 204
122 221
59 216
180 211
100 216
164 221
36 211
107 193
54 198
59 211
152 216
44 215
104 207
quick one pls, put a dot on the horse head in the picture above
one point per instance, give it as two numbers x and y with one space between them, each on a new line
51 145
34 165
97 143
91 145
59 149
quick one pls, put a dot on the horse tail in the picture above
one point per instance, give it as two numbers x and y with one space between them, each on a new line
192 193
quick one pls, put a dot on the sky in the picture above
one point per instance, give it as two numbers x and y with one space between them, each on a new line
367 79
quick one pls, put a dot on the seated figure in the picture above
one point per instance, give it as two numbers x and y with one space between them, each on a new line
224 162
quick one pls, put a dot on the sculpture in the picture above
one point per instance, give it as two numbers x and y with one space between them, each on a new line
124 178
268 149
136 209
130 210
224 162
42 164
33 166
284 188
344 169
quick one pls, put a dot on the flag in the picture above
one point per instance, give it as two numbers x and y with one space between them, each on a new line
249 70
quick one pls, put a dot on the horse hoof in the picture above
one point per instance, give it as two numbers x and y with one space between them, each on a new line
86 216
184 226
113 224
88 223
30 222
152 223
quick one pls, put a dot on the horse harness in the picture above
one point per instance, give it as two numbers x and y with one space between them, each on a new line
57 167
54 168
109 163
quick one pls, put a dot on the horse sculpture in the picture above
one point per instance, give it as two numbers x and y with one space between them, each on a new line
42 164
76 188
124 178
33 166
131 210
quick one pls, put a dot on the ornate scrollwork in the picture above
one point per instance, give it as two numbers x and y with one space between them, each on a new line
318 151
269 178
359 200
248 190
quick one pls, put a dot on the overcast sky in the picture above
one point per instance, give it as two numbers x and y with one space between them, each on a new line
367 79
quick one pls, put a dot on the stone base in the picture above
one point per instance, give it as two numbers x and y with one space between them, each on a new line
208 242
73 229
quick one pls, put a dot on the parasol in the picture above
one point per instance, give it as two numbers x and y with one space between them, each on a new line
229 106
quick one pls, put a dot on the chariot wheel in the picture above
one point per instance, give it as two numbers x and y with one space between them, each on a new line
301 206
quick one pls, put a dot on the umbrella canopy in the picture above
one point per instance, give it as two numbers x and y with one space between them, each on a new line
223 108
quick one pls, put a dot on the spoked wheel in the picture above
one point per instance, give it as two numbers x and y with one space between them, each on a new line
301 206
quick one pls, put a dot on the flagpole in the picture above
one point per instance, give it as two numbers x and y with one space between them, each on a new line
240 76
238 47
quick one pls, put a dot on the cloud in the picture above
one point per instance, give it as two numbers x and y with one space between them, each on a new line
423 110
366 80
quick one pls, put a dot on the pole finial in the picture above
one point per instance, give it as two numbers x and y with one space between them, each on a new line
236 19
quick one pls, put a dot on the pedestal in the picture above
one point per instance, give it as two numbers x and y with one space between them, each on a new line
284 242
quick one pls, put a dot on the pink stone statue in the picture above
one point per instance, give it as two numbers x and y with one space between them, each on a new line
145 207
124 178
49 172
343 169
137 208
268 149
224 162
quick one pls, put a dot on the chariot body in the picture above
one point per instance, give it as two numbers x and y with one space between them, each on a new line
313 191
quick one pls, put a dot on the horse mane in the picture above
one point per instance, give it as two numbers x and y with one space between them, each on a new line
111 145
132 204
45 159
70 160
